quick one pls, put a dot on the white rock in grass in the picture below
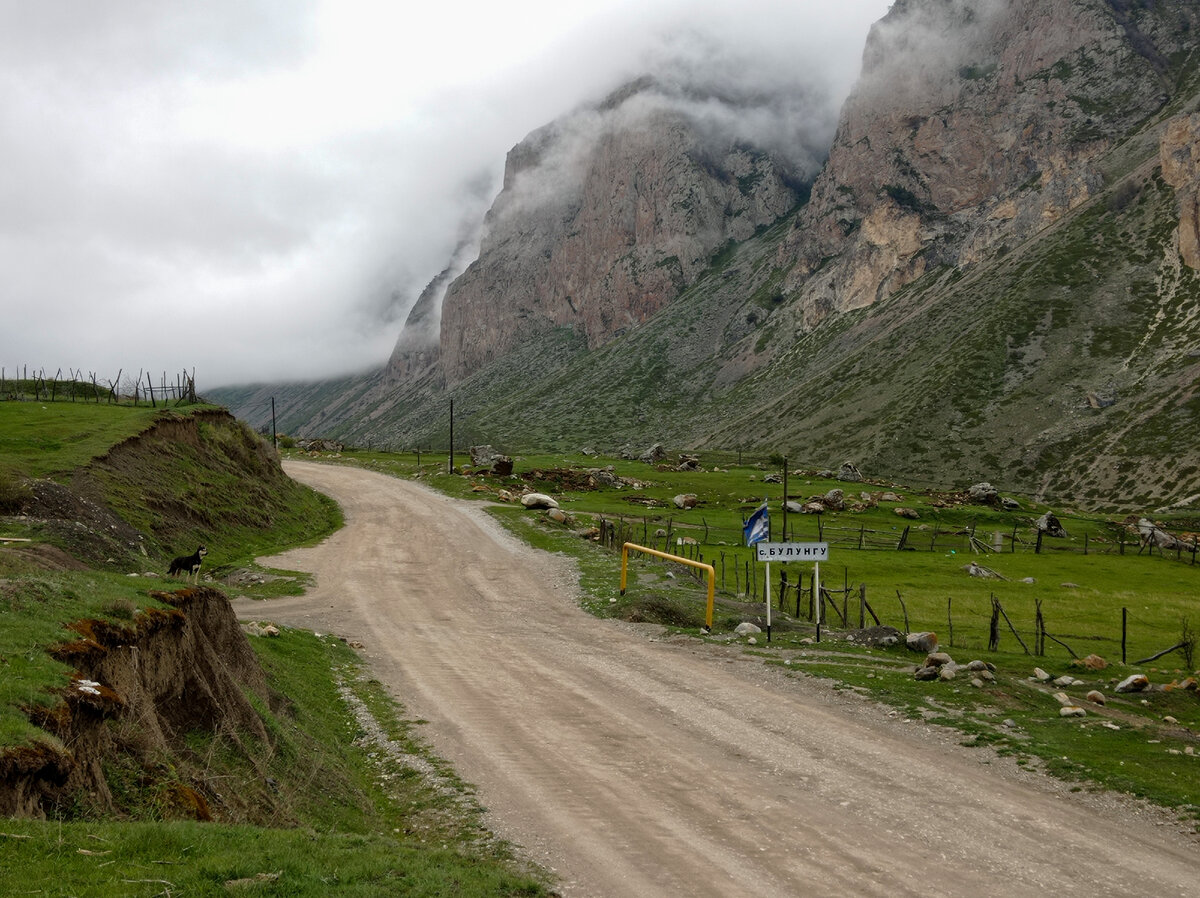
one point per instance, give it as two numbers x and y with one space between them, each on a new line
1071 711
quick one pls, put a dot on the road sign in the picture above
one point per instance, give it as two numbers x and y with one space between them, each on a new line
792 551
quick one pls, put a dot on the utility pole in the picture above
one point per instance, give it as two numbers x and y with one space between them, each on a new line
451 471
785 498
274 438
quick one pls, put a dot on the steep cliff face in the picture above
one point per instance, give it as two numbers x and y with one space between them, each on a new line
604 217
1180 157
973 126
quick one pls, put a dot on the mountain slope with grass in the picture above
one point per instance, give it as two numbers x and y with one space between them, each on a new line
994 277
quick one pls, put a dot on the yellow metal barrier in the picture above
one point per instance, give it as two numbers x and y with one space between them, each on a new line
712 574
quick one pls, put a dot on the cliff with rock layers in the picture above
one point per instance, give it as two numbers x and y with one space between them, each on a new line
603 218
1001 229
974 125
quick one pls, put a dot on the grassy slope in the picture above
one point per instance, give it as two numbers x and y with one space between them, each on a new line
333 806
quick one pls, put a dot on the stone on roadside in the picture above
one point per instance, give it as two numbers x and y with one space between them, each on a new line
745 628
538 500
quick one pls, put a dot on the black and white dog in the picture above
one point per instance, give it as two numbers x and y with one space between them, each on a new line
188 565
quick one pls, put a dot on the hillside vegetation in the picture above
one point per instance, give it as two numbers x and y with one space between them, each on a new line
993 277
164 751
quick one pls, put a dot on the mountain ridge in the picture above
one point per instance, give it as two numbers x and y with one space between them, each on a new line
992 280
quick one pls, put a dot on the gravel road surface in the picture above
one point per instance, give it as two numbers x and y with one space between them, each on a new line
635 764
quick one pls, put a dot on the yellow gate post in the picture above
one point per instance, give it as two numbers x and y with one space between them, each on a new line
708 568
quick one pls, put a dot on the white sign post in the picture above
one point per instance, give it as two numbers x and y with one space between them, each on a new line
814 552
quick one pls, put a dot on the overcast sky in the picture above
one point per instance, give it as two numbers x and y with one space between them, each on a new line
259 189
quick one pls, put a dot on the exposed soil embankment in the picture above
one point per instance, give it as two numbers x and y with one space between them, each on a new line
138 689
187 479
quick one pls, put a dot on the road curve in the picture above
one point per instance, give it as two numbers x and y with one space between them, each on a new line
635 765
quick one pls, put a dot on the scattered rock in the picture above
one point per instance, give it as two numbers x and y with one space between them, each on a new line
688 463
1040 675
910 513
745 628
654 454
1096 697
686 500
1050 525
1091 662
984 493
938 659
1133 683
1010 504
849 472
1062 698
538 500
558 515
977 683
947 672
924 642
835 500
1065 681
881 635
926 673
1071 711
891 497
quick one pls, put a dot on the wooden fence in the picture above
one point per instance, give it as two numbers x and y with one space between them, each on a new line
74 387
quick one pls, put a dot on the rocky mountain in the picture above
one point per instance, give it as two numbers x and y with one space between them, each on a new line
993 275
604 217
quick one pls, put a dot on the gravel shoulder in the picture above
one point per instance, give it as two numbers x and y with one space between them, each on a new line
632 763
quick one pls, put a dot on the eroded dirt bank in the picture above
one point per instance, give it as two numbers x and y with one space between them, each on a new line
632 765
138 689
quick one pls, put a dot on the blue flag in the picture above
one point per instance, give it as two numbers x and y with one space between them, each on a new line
758 528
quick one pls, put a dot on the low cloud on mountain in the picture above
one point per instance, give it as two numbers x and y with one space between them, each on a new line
261 189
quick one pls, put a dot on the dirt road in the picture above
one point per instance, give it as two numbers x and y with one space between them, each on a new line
640 766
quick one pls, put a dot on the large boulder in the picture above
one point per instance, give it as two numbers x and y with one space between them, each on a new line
984 493
686 500
538 500
1050 525
849 472
654 454
925 643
